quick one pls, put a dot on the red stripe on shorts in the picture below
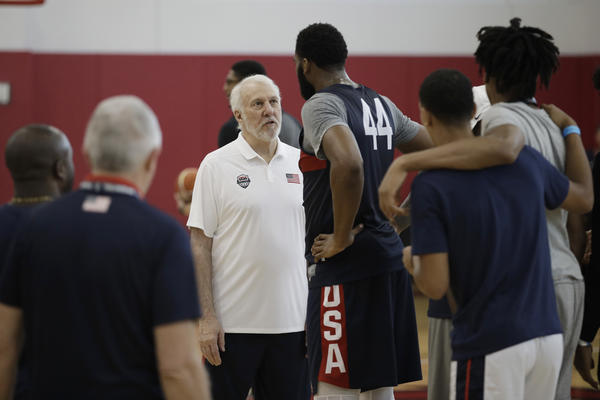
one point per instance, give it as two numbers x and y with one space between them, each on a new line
468 379
334 341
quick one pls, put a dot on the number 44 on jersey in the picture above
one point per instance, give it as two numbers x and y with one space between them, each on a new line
381 128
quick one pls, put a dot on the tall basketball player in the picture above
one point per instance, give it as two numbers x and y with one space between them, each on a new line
361 324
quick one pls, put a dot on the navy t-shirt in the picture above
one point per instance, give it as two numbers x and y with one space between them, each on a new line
492 224
12 217
377 248
439 308
94 272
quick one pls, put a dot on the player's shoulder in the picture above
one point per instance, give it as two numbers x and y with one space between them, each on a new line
321 98
516 113
428 179
9 212
499 110
435 174
163 219
150 220
10 217
289 151
441 180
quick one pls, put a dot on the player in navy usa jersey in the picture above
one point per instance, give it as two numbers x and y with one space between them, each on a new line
361 324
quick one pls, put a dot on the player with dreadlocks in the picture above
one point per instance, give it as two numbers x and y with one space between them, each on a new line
512 60
514 57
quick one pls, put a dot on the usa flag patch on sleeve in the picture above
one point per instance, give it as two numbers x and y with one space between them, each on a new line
96 204
293 178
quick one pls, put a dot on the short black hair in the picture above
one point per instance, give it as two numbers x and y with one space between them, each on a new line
246 68
448 95
515 56
596 78
322 44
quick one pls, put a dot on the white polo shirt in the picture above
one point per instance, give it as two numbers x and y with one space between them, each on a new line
254 213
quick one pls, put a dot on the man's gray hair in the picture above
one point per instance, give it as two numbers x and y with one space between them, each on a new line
235 99
121 133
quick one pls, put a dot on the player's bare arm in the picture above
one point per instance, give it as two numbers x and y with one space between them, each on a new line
430 271
210 332
501 145
575 222
346 180
11 336
181 371
581 189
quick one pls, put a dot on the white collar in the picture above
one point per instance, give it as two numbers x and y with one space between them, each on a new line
249 153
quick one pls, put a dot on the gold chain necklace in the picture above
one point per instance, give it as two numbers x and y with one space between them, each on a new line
30 200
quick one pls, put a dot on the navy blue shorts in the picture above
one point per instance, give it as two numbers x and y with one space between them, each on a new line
274 365
363 334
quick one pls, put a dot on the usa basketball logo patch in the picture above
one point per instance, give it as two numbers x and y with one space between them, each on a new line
243 180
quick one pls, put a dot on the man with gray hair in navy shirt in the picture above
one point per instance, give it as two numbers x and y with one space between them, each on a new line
100 286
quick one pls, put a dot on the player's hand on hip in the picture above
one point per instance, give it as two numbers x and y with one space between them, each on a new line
389 192
584 364
212 338
327 245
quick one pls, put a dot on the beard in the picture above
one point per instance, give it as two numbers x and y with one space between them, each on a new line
262 133
306 89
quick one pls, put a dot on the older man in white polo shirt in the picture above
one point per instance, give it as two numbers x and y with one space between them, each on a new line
247 224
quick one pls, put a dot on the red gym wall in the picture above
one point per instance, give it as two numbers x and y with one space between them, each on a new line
186 94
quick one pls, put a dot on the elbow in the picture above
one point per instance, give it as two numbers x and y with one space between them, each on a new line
356 170
509 153
177 373
350 167
434 289
180 369
509 156
354 166
436 292
584 199
509 146
582 205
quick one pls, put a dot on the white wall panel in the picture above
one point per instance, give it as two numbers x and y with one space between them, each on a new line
270 27
14 32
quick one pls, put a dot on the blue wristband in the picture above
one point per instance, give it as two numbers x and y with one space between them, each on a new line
571 129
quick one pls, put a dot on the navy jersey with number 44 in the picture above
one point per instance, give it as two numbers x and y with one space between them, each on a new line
377 249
